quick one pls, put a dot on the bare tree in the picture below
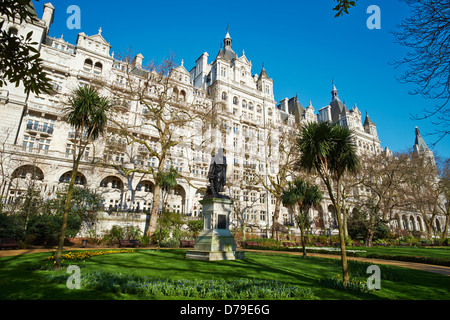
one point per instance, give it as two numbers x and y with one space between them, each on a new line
444 190
422 189
166 116
426 33
275 182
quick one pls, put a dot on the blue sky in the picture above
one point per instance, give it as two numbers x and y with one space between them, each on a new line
303 47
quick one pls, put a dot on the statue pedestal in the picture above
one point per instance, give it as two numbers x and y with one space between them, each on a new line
215 241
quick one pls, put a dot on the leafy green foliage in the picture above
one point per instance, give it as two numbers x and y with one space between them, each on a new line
116 233
195 226
343 6
38 222
20 61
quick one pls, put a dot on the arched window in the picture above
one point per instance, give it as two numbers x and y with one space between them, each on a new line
419 224
224 96
98 67
13 31
412 223
438 225
112 182
244 104
183 95
28 171
146 186
235 100
80 179
87 65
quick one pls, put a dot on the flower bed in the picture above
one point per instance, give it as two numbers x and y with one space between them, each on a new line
83 255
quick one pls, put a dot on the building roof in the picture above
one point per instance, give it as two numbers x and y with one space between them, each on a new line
338 108
419 143
367 121
263 74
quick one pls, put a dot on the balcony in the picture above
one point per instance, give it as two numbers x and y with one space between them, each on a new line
41 128
43 108
55 88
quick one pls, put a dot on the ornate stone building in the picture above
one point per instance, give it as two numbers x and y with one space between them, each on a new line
37 145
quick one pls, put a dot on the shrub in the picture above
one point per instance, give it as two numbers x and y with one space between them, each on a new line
336 282
117 232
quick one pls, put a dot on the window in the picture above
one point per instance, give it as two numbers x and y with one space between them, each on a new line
224 95
223 71
262 215
28 141
98 68
235 100
44 144
87 65
40 124
13 31
236 128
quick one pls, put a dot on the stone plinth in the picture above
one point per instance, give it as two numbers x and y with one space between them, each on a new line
215 241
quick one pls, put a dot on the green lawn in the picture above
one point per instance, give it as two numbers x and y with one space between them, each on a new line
20 278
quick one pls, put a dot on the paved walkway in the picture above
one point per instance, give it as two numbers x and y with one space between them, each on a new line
412 265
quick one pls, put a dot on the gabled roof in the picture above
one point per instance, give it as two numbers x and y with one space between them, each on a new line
182 69
97 37
244 59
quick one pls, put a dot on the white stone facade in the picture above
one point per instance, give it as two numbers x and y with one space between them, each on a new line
38 144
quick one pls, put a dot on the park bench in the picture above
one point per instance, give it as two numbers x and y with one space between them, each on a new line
8 244
129 243
187 243
251 243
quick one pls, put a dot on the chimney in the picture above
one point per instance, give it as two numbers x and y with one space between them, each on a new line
137 61
49 12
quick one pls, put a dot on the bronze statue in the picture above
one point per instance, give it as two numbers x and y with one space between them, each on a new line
217 175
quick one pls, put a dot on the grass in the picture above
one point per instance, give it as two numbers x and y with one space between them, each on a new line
21 278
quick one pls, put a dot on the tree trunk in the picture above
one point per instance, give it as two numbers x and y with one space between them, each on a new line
154 213
276 215
445 232
302 236
335 201
66 215
369 237
344 216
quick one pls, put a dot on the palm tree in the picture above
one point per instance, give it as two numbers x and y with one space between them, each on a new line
304 195
168 181
328 150
86 113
